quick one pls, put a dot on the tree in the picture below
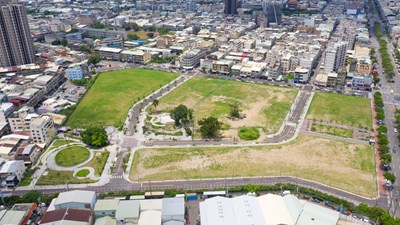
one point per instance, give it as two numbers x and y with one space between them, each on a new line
32 196
163 31
135 27
251 188
150 35
181 114
95 136
133 36
235 110
209 127
382 129
389 176
155 103
97 25
64 42
94 59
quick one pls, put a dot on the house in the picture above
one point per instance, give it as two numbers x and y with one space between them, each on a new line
137 56
12 172
27 153
68 216
128 211
75 199
106 207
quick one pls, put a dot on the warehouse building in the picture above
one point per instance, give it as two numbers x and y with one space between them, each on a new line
268 209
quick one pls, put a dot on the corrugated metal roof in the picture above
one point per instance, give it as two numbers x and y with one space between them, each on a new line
150 217
173 206
106 204
127 209
75 196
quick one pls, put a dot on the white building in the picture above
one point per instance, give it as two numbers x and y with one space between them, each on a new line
40 129
335 57
77 71
74 199
128 211
21 119
268 209
173 209
12 172
191 58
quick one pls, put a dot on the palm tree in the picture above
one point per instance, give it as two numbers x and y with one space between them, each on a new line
155 103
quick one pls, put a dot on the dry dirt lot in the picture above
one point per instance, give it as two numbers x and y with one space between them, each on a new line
344 165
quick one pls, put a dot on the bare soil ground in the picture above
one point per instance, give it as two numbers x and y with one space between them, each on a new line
344 165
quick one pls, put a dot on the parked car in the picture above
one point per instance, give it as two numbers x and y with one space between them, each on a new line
395 130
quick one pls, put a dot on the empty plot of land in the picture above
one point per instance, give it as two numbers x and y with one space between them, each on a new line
263 106
344 165
113 93
341 109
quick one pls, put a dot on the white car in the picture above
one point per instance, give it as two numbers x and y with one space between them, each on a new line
395 130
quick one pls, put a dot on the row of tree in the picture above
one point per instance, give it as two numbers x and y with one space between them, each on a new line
383 141
386 60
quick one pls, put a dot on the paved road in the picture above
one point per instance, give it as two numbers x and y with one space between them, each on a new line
120 184
391 96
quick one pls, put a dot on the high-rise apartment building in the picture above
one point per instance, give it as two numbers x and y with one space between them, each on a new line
230 7
335 57
16 45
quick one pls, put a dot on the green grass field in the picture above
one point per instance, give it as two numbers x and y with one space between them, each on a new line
109 99
61 177
336 131
249 133
341 109
98 162
59 142
328 161
264 106
82 173
72 156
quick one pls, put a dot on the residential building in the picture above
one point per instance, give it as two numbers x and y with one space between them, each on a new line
109 53
68 216
191 58
364 65
230 7
326 80
27 153
12 172
361 82
86 19
222 66
21 119
49 83
137 56
91 32
77 71
41 128
10 143
16 45
301 75
335 57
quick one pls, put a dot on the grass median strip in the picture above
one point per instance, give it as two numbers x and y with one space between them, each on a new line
331 130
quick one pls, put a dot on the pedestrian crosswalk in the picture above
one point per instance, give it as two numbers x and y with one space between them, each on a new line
116 177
